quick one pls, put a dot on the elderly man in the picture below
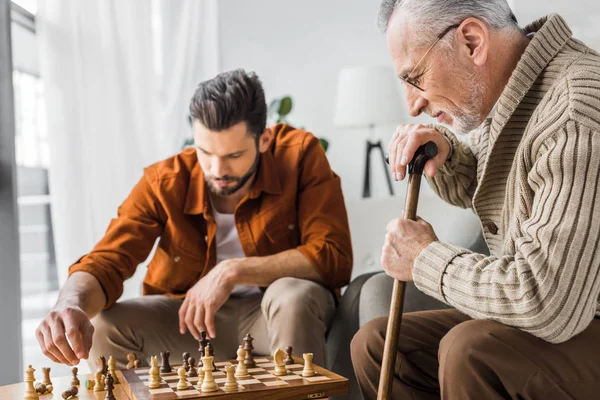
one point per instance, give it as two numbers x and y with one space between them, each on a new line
525 323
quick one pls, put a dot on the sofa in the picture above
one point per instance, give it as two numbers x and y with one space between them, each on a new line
368 295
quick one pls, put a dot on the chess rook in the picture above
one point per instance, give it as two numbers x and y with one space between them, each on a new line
165 366
308 365
231 384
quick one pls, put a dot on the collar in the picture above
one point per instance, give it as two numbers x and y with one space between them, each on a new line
267 181
551 35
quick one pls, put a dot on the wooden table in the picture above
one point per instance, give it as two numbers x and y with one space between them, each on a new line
60 384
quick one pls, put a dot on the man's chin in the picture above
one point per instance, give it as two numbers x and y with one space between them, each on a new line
224 191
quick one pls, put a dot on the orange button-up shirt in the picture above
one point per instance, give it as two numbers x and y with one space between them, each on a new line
296 202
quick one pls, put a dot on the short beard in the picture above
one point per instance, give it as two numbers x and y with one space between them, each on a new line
240 181
468 117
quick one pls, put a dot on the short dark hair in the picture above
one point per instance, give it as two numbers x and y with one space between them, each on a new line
230 98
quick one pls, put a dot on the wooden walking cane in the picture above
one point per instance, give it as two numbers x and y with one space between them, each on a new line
415 171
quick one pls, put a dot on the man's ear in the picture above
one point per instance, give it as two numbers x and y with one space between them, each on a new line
474 40
265 139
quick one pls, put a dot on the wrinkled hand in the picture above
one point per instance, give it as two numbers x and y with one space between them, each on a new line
205 298
65 335
404 240
405 142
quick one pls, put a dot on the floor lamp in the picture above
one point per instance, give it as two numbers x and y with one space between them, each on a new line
368 97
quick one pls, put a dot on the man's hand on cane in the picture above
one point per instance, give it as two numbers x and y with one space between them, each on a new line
404 240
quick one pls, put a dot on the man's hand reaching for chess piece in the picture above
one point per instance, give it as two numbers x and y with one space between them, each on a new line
65 335
205 298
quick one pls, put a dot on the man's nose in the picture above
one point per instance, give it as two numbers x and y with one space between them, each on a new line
416 103
217 167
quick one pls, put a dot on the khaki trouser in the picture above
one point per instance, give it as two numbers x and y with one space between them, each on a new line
291 312
446 354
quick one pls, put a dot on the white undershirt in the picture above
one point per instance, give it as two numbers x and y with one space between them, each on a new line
229 246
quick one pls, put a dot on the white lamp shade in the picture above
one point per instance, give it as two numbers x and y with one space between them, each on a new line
368 95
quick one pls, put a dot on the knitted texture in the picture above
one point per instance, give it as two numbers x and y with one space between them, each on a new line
531 173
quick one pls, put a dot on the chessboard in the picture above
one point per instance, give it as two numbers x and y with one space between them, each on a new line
262 384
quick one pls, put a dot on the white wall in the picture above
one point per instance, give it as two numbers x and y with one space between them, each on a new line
583 16
298 48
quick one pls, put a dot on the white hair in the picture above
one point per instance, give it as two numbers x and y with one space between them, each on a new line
431 16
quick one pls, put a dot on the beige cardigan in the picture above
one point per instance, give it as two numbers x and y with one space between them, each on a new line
531 173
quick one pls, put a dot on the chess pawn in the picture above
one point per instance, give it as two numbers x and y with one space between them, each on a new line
185 364
308 369
112 369
289 360
183 383
30 393
131 360
208 383
280 368
75 380
192 371
99 384
154 382
231 384
40 388
241 371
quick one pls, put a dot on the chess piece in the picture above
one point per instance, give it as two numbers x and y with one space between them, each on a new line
89 384
109 385
154 382
241 371
75 379
99 383
231 384
112 369
49 389
201 345
131 361
208 383
308 369
46 373
208 350
30 393
200 378
192 372
102 366
183 383
288 360
164 365
185 364
40 388
280 368
248 347
71 392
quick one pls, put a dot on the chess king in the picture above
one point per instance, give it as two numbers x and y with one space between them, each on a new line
253 237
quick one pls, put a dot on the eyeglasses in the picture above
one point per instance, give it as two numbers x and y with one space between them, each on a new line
411 81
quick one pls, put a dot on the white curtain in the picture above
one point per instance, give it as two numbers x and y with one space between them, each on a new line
118 76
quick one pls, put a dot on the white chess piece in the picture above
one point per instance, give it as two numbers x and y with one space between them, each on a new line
99 385
154 382
183 383
241 371
231 384
208 383
112 368
308 369
30 393
280 368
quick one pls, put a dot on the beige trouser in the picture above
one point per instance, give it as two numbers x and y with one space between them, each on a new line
291 312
